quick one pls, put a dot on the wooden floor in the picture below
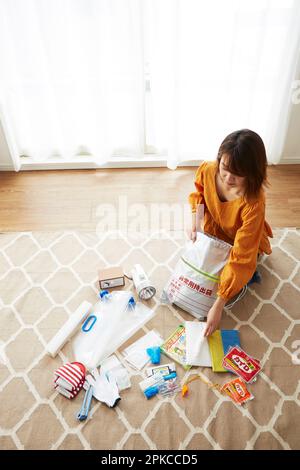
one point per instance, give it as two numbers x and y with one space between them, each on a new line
68 199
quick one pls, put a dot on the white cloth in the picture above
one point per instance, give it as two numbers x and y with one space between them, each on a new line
197 350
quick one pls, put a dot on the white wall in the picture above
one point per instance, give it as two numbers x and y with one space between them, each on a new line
5 158
291 151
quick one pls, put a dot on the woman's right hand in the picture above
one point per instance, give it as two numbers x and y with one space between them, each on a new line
192 234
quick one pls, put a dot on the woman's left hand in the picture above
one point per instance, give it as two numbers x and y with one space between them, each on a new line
214 317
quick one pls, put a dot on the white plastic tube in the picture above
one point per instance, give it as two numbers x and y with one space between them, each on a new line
68 329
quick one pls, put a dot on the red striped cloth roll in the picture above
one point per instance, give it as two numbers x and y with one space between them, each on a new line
69 379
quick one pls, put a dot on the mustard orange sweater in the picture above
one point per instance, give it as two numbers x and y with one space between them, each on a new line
238 222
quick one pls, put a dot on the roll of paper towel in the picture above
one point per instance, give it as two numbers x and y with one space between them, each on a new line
68 329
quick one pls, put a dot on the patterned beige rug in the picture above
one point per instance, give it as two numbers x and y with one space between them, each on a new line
45 276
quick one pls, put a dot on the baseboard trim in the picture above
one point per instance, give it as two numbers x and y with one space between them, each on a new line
6 168
91 165
117 163
290 161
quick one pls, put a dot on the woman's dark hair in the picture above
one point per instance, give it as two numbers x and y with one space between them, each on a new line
246 156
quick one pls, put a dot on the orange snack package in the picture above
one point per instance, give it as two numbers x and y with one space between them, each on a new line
236 389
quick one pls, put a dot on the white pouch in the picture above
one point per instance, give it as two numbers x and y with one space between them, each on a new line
194 283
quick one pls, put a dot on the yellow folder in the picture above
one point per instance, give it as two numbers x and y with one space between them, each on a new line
216 351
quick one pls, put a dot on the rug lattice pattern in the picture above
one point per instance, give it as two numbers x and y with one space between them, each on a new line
45 276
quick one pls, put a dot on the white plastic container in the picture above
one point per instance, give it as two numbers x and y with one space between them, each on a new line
117 319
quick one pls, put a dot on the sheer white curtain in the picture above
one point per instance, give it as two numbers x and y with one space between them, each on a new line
217 66
72 76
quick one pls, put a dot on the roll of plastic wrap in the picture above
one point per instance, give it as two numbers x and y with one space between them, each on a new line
68 329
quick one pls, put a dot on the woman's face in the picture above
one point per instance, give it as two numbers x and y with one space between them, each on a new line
230 180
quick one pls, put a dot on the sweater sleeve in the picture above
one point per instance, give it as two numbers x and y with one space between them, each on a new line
242 260
197 196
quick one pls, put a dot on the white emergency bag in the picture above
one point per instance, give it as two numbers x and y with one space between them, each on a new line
194 283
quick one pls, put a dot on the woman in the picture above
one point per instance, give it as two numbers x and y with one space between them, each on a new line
231 190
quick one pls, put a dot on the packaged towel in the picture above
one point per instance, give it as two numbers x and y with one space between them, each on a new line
69 379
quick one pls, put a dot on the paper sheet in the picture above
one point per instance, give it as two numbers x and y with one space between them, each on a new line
197 350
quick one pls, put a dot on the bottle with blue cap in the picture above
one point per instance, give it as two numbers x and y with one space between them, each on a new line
131 303
104 295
